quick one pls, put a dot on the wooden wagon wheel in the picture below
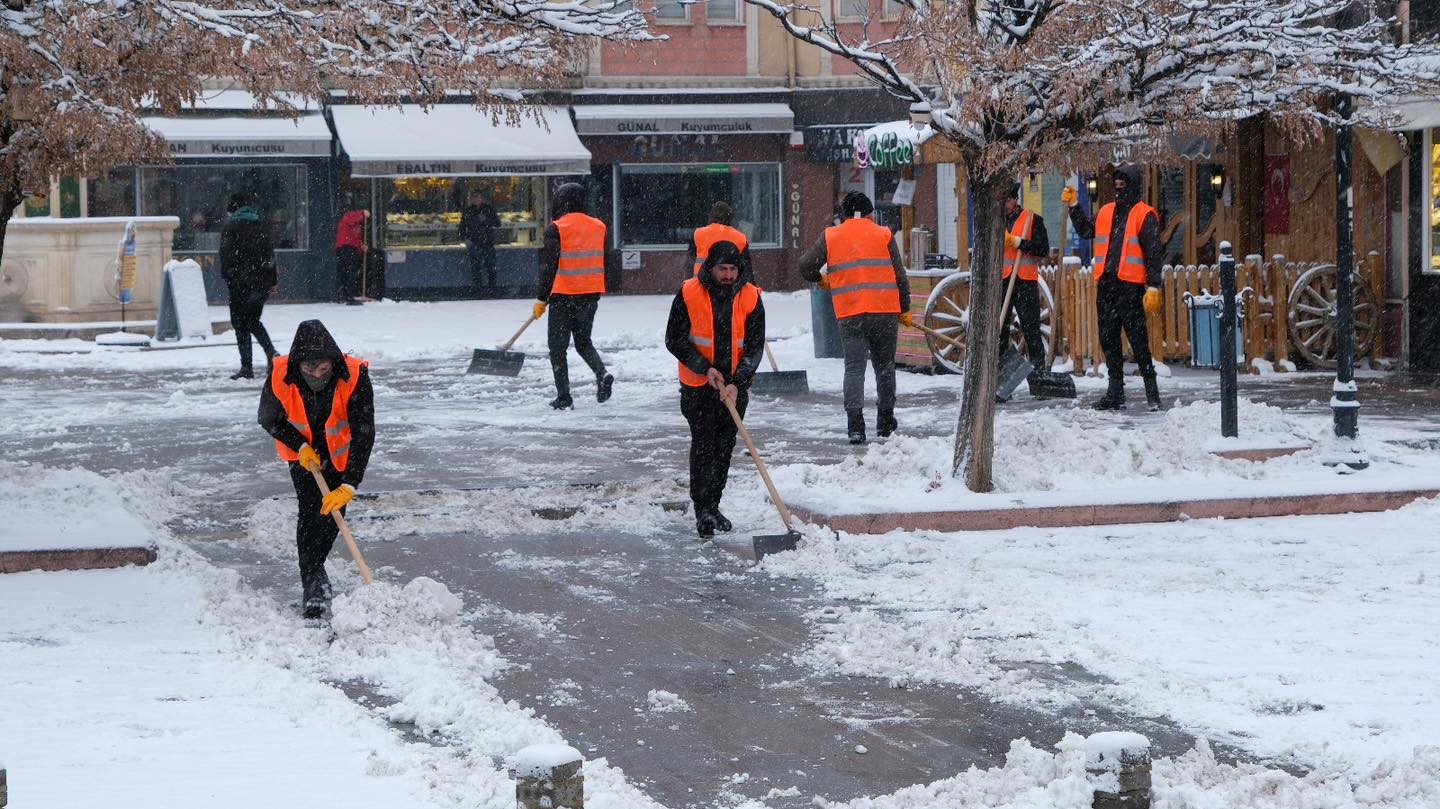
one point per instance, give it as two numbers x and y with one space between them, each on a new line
948 312
1312 312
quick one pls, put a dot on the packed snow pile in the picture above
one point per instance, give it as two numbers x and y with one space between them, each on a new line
665 702
54 509
1050 451
384 608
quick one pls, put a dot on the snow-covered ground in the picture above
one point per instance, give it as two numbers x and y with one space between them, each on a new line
1305 639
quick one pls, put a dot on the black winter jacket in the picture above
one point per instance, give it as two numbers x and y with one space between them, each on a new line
722 302
313 341
247 258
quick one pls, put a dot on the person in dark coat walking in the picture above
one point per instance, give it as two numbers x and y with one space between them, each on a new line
871 293
316 390
574 265
247 263
717 364
1025 239
477 228
1128 256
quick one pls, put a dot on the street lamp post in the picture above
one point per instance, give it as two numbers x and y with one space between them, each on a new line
1346 452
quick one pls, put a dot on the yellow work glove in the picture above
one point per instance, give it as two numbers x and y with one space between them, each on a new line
824 282
338 498
1152 300
309 458
1068 197
538 310
907 319
1011 240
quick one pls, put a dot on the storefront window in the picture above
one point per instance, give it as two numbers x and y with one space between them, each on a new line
1433 203
421 212
113 194
661 205
198 194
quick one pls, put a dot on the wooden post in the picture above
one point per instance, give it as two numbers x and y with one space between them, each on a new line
1280 271
907 221
1118 764
549 776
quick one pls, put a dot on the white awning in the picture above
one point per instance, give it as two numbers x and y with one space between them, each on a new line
684 119
255 136
456 140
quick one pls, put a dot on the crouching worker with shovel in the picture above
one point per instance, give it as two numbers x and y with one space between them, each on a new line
717 332
318 391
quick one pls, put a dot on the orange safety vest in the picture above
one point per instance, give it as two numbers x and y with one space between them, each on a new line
1132 258
862 278
337 426
702 326
582 255
706 237
1029 265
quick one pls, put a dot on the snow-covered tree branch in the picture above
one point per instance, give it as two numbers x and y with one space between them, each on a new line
1020 85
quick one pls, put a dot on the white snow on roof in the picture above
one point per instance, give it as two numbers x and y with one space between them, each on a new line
455 132
304 128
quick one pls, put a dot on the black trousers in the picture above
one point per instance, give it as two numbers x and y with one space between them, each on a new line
482 264
246 304
1025 302
572 316
869 336
348 267
1121 305
712 442
314 532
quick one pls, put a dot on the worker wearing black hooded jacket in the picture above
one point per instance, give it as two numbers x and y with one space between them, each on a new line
1128 256
316 390
717 332
574 265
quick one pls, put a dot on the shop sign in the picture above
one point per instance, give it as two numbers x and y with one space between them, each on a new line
795 219
629 259
883 151
697 148
464 168
832 144
230 148
764 125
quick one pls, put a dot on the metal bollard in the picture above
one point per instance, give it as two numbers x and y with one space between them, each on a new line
1126 758
549 776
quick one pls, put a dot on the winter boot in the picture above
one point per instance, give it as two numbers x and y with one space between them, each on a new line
722 523
885 423
563 402
855 428
244 373
705 523
317 597
1114 398
1152 394
603 387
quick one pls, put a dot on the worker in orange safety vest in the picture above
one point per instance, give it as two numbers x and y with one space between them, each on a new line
574 266
1026 243
871 294
319 407
1127 264
719 229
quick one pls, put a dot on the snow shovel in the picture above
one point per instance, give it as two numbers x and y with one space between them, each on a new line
776 382
1014 367
501 362
345 531
767 543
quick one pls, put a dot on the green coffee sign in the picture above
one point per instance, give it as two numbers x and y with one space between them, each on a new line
883 150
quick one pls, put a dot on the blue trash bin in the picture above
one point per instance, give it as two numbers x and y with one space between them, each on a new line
823 325
1205 331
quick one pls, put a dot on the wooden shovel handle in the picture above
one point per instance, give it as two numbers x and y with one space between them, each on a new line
771 356
345 531
760 465
523 327
939 335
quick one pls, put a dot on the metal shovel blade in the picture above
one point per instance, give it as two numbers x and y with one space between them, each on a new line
1051 385
496 363
780 383
775 543
1013 370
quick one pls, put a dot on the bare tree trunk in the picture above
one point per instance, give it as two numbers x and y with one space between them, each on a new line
10 199
975 431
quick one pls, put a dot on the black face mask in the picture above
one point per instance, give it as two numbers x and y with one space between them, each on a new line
314 384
